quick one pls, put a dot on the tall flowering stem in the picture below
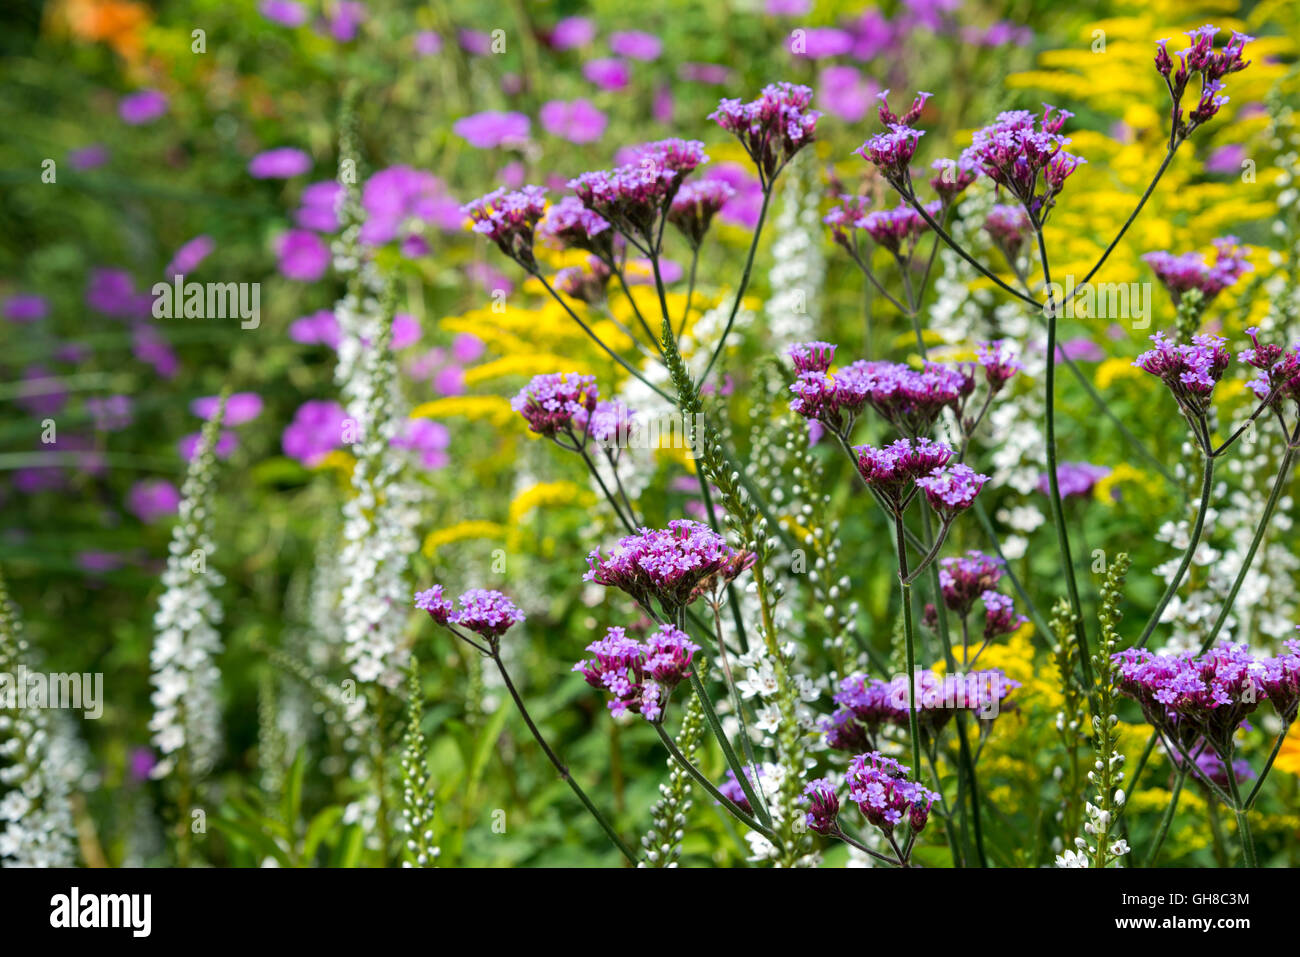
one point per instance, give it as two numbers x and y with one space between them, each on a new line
417 788
185 675
488 615
36 821
1107 774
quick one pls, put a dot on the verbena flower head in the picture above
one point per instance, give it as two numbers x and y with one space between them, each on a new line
898 229
913 113
695 205
1186 271
954 176
1209 766
640 675
732 791
550 402
674 566
1025 154
585 283
570 224
1000 616
950 491
891 153
634 196
606 423
1279 370
1188 697
1073 479
893 469
850 212
963 580
814 356
509 220
487 613
880 788
1200 58
1280 678
1190 371
999 363
823 806
431 600
1008 225
772 128
907 399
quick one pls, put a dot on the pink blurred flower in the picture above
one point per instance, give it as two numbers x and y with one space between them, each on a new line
636 45
26 307
316 430
303 256
137 109
189 444
491 129
241 407
152 499
572 32
608 74
319 328
284 162
186 259
287 13
577 121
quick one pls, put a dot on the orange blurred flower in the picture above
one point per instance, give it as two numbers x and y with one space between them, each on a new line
116 22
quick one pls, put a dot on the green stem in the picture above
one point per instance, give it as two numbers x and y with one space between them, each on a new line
1168 818
1207 484
559 765
744 284
1243 824
1053 481
733 762
708 786
905 589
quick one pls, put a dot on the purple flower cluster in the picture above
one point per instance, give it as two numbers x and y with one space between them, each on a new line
866 705
640 675
1187 271
964 579
1213 67
509 220
1187 696
1074 478
675 565
586 283
998 362
550 402
952 490
814 357
570 224
732 790
880 788
487 613
1000 617
823 806
1190 371
632 197
695 205
898 229
1279 370
1026 155
893 470
772 128
1008 225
